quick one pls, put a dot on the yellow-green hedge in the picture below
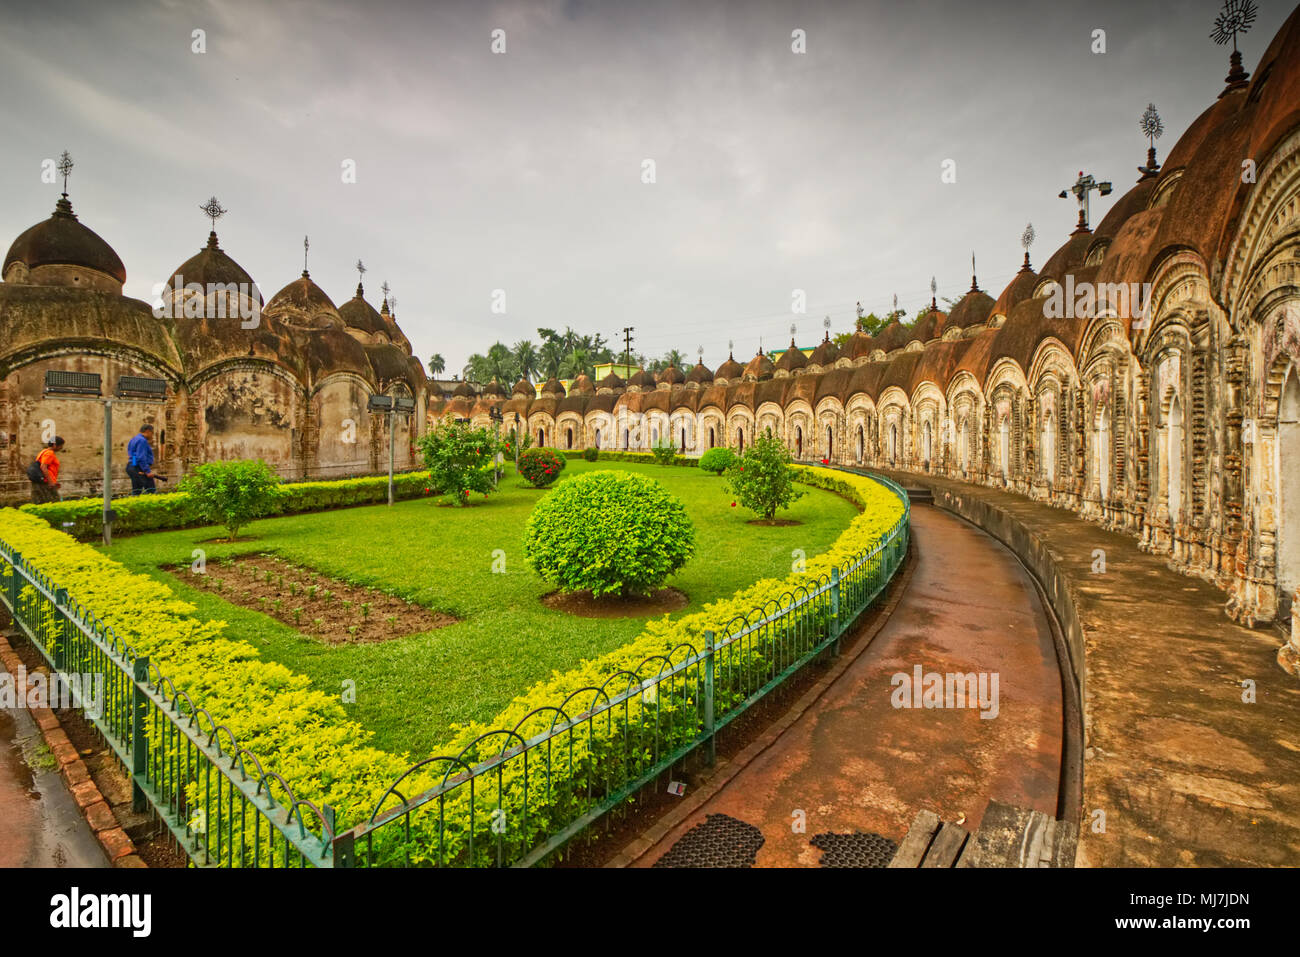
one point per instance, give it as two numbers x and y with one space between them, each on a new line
307 737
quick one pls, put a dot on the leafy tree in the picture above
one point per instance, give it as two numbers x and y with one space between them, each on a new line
526 359
540 467
610 533
460 459
550 356
233 493
437 365
762 478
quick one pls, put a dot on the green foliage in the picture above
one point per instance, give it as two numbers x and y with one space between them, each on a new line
762 479
146 513
233 493
591 453
664 453
540 467
717 460
610 533
460 459
643 458
307 736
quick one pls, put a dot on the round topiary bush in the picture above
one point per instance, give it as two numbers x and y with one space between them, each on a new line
610 533
540 467
717 460
591 453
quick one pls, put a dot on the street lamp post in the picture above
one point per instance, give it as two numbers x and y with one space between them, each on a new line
391 407
497 419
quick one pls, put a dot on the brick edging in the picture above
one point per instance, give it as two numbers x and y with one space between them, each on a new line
117 844
721 777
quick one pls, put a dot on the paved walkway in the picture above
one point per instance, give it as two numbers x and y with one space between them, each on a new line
1186 772
854 762
40 824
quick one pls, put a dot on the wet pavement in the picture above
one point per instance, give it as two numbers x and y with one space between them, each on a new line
853 761
1191 750
40 824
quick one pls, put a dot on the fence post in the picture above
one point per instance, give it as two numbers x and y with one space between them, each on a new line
709 718
139 744
60 649
835 611
14 587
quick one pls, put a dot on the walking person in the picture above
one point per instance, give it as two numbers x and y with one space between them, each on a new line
139 461
44 472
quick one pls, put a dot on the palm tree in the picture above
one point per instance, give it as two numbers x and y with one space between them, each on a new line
500 363
549 358
675 358
578 362
476 370
437 364
526 358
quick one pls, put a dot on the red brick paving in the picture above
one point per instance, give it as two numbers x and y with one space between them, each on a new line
854 762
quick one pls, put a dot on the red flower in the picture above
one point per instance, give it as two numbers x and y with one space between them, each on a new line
733 504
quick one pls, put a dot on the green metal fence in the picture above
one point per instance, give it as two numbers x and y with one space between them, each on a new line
516 796
511 797
211 794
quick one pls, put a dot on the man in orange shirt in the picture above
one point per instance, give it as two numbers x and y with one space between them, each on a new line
46 467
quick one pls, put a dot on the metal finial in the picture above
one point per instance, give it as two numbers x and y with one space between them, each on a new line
731 344
826 323
934 286
392 306
385 288
699 351
361 269
1151 124
1028 236
1237 16
895 302
65 167
214 211
793 329
306 245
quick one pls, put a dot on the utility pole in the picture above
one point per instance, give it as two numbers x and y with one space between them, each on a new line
627 345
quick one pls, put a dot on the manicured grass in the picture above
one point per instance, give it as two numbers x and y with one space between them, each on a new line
410 690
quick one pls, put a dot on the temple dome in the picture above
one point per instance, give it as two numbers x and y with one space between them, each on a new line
304 304
792 360
62 240
729 371
358 314
211 266
525 388
759 369
700 375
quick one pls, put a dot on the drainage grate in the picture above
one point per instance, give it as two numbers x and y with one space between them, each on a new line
855 850
721 841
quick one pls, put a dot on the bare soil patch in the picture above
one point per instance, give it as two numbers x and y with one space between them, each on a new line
330 610
582 604
774 522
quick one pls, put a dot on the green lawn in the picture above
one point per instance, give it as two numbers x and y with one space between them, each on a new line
409 690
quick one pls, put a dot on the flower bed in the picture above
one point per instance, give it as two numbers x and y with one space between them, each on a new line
307 737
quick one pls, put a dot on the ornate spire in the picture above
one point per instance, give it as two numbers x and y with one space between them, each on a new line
1027 240
383 311
974 283
214 211
306 245
1237 16
63 206
361 272
934 291
1152 128
826 324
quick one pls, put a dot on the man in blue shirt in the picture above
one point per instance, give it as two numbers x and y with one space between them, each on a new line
139 461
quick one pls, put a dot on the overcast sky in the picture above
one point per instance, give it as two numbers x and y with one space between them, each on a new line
522 171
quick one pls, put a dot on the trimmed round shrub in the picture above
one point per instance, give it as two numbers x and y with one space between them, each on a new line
540 467
717 460
233 493
612 533
591 453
